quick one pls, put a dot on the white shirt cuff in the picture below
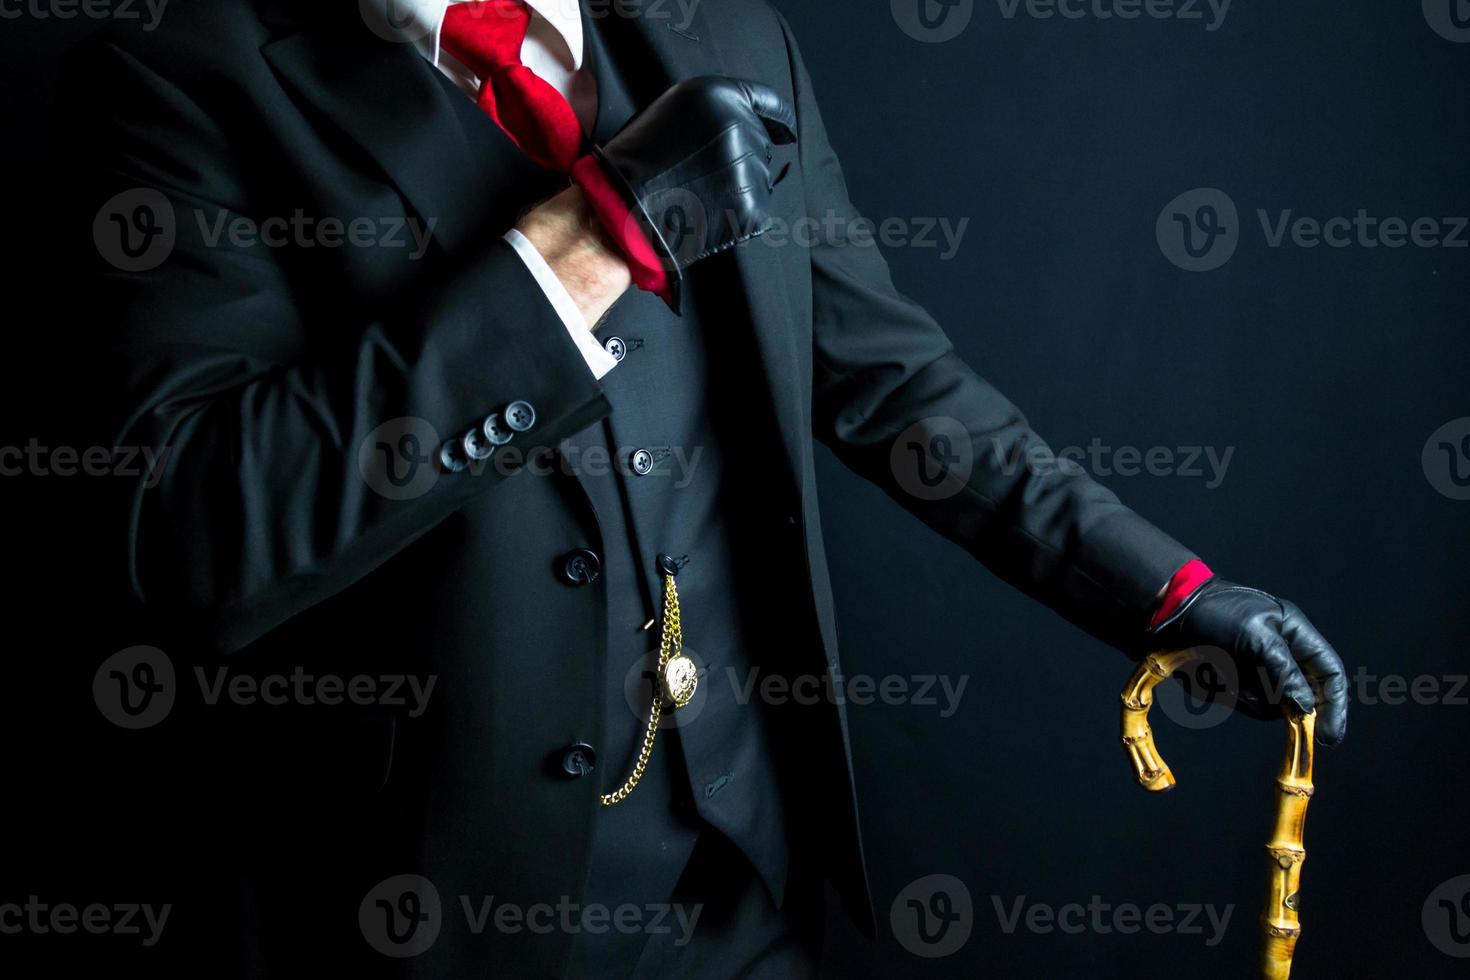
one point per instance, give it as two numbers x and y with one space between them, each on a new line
599 361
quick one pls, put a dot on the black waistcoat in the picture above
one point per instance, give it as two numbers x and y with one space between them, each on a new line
679 396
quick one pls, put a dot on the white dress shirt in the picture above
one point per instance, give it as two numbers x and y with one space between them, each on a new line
553 49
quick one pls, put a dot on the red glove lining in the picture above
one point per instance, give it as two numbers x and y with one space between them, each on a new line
1194 574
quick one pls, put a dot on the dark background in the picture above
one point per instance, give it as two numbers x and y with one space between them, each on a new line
1324 369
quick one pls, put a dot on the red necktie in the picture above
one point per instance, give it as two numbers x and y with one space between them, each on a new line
487 36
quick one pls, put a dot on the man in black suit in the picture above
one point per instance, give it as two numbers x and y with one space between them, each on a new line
464 446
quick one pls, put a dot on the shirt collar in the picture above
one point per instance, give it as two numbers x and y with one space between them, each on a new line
423 19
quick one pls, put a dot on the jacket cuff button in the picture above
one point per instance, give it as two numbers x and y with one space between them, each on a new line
476 446
520 416
451 459
495 429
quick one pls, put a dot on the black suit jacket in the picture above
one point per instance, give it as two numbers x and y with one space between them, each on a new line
266 370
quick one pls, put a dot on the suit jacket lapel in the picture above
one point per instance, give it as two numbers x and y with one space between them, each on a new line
389 100
680 51
616 102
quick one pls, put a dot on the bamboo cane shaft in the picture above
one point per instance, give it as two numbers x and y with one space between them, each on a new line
1279 922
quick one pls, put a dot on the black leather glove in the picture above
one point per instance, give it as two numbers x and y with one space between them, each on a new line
694 167
1277 657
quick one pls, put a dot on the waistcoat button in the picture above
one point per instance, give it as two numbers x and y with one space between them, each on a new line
581 567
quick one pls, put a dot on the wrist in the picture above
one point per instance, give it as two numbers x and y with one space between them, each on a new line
575 246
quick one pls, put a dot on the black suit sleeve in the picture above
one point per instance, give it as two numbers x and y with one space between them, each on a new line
890 395
262 395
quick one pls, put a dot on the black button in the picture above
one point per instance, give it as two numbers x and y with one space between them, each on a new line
496 430
579 760
616 347
520 416
581 567
475 445
668 565
451 456
641 461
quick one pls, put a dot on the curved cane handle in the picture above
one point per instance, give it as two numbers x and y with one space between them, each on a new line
1279 922
1152 771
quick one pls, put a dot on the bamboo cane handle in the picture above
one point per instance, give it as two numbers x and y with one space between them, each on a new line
1280 924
